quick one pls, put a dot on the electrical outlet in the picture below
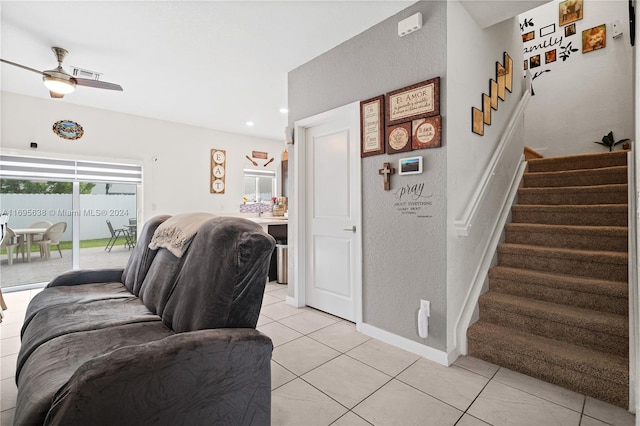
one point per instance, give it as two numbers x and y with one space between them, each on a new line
616 29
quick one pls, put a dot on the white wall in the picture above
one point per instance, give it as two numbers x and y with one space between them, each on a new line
582 98
472 54
175 157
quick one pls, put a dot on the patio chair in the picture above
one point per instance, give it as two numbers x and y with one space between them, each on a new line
50 238
9 242
115 234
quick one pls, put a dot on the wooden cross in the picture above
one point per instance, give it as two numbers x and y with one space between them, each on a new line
387 171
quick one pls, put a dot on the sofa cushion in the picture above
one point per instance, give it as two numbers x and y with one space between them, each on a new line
64 319
142 256
53 363
222 280
160 280
85 293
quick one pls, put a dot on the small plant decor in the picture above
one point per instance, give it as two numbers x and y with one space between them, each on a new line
609 141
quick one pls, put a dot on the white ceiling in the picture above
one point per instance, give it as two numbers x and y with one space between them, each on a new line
213 64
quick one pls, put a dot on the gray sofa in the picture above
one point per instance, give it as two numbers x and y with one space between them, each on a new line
167 340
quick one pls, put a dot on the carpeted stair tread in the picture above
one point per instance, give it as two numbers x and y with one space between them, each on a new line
587 319
592 286
575 162
611 238
578 215
587 263
600 375
574 195
581 177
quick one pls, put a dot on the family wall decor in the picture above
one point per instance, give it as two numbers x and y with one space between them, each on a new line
498 89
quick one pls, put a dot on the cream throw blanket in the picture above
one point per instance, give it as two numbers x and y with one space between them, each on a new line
175 234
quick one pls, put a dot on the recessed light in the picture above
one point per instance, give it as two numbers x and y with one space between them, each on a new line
284 110
250 123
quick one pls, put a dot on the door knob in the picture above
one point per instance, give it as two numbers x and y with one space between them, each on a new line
352 229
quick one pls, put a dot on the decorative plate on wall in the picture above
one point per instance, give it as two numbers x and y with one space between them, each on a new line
68 129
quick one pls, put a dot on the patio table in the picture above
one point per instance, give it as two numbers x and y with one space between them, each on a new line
28 234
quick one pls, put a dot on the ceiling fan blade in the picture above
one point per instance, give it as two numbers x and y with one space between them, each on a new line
22 66
97 84
56 95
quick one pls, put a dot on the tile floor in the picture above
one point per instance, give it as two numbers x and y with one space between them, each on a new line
326 373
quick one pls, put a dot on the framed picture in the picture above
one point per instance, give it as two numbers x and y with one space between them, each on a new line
550 56
594 38
526 65
415 101
399 138
528 36
501 76
372 126
534 61
427 133
477 121
218 171
549 29
569 30
508 65
410 166
570 11
493 89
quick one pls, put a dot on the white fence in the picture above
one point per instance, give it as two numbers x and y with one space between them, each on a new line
94 211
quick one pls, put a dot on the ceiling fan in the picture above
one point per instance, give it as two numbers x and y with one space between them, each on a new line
60 82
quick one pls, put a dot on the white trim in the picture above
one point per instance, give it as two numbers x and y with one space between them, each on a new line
465 221
471 300
297 210
424 351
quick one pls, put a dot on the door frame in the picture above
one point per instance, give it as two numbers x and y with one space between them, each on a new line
298 211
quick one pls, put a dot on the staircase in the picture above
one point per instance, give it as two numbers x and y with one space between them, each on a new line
557 307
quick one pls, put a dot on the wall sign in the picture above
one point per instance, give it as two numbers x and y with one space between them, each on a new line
415 101
218 171
372 126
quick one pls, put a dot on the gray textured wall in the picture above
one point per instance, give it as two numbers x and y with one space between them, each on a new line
404 255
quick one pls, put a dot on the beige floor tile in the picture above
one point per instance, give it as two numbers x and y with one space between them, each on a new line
608 413
346 380
262 320
500 404
6 417
10 330
8 393
298 403
384 357
399 404
267 299
350 419
341 336
302 355
477 366
468 420
17 299
8 366
9 346
278 311
588 421
544 390
453 385
279 333
272 286
280 375
307 322
280 294
14 315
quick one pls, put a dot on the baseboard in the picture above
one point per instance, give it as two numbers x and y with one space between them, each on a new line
424 351
291 301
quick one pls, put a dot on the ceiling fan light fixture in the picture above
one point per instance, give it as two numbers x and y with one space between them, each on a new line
59 85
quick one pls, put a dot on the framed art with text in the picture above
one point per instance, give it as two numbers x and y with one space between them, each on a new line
416 101
218 171
372 126
399 138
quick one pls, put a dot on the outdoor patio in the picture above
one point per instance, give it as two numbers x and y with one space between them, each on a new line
41 270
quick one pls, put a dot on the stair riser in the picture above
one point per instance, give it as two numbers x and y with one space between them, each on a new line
558 265
569 217
578 179
596 302
596 387
570 241
577 197
578 163
592 339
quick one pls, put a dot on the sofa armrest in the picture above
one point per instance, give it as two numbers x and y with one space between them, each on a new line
87 276
204 377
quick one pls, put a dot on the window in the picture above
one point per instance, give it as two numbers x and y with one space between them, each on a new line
259 185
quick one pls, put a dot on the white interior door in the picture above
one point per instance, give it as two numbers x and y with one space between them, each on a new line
332 209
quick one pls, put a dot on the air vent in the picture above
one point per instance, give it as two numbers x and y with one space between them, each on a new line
82 73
